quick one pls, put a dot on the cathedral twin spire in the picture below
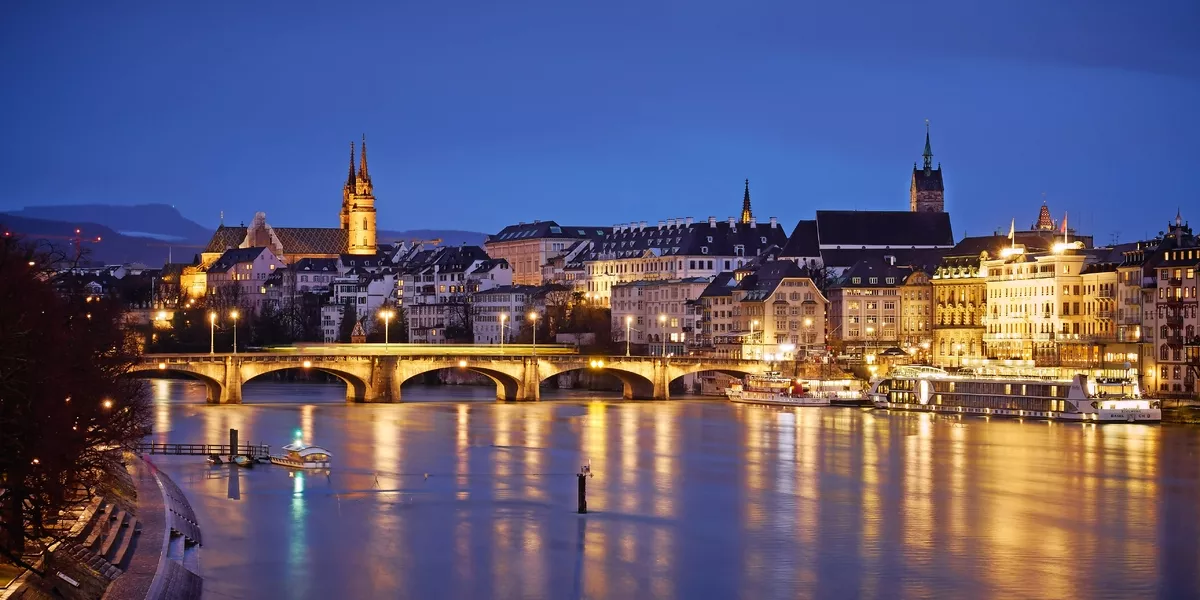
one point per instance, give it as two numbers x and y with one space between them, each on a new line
362 176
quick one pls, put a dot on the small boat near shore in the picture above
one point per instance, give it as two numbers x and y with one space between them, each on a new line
773 389
303 456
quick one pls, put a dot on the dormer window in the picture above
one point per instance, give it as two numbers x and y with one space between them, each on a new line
874 280
703 249
709 239
856 280
762 239
890 280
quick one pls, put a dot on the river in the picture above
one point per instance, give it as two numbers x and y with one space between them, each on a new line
452 495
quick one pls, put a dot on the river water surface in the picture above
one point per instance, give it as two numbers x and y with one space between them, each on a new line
455 496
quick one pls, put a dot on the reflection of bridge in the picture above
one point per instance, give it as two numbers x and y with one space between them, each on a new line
377 378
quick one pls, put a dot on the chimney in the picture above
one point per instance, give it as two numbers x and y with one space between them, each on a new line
889 259
774 222
662 224
520 223
689 221
732 221
753 222
712 222
632 226
643 226
670 223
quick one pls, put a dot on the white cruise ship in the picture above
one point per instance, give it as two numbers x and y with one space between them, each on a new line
774 389
1078 399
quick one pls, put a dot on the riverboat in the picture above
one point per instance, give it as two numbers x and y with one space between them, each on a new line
303 456
1099 400
774 389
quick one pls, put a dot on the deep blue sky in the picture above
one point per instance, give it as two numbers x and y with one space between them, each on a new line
481 114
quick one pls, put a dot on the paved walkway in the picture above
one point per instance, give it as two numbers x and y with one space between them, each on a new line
134 583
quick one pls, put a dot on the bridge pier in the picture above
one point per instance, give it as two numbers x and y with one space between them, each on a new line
383 385
231 387
530 388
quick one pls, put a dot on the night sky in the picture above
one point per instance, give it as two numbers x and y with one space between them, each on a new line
481 114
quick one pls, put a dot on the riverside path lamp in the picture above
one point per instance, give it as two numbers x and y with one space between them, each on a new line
503 318
234 315
628 324
212 333
533 317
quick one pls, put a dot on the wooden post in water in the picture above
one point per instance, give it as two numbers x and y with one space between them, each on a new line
233 443
582 476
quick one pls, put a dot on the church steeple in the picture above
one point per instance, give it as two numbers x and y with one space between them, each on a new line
350 179
928 154
362 165
926 193
746 214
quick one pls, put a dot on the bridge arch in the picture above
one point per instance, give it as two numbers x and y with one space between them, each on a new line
357 383
636 379
215 389
507 377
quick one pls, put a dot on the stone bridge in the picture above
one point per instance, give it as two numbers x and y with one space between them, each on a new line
377 377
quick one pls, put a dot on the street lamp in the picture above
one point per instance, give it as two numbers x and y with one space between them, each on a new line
662 344
386 315
503 318
628 324
533 317
807 327
753 354
234 315
212 333
870 337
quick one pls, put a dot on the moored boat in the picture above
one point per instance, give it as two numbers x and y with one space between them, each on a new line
303 456
1101 400
774 389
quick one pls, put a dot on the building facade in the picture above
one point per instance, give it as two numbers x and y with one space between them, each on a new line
530 247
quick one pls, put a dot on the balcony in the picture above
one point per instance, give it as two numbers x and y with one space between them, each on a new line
1133 301
1105 314
1175 281
1106 294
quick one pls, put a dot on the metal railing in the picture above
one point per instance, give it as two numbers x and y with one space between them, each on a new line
251 450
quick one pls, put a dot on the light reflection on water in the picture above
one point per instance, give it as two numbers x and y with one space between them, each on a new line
691 499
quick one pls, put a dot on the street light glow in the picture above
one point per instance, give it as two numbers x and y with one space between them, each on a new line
533 316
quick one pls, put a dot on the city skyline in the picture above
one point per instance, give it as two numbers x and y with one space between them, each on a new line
666 124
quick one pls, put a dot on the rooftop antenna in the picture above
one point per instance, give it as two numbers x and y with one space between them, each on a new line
222 218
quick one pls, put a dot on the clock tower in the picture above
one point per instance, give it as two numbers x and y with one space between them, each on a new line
927 194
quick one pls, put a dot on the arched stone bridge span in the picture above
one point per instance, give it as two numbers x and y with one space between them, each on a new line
378 377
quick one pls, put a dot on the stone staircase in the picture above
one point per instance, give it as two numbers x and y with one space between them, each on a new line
103 538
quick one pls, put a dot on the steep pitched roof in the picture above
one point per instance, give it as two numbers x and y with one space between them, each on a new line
225 238
320 265
234 257
711 238
892 228
721 285
295 240
876 268
547 229
803 242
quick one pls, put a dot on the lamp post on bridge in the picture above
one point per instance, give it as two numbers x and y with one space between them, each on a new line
628 324
503 318
533 317
212 333
386 315
234 316
662 345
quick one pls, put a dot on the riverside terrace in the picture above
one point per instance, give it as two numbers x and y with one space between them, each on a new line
375 373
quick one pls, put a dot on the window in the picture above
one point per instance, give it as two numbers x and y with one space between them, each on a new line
873 280
890 280
856 280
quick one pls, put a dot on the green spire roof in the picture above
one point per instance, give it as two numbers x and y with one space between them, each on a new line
928 154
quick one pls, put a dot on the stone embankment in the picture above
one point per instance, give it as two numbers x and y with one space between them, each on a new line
135 540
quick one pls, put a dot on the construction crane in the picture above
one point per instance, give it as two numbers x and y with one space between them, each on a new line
76 240
432 242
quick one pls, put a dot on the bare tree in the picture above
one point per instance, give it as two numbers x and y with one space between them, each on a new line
65 406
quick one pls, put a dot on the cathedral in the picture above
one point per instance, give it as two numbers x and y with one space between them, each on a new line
355 234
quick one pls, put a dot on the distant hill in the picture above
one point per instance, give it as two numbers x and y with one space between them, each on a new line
149 233
160 221
113 247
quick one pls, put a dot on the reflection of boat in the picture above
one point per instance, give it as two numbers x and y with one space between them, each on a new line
1078 399
774 389
303 456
